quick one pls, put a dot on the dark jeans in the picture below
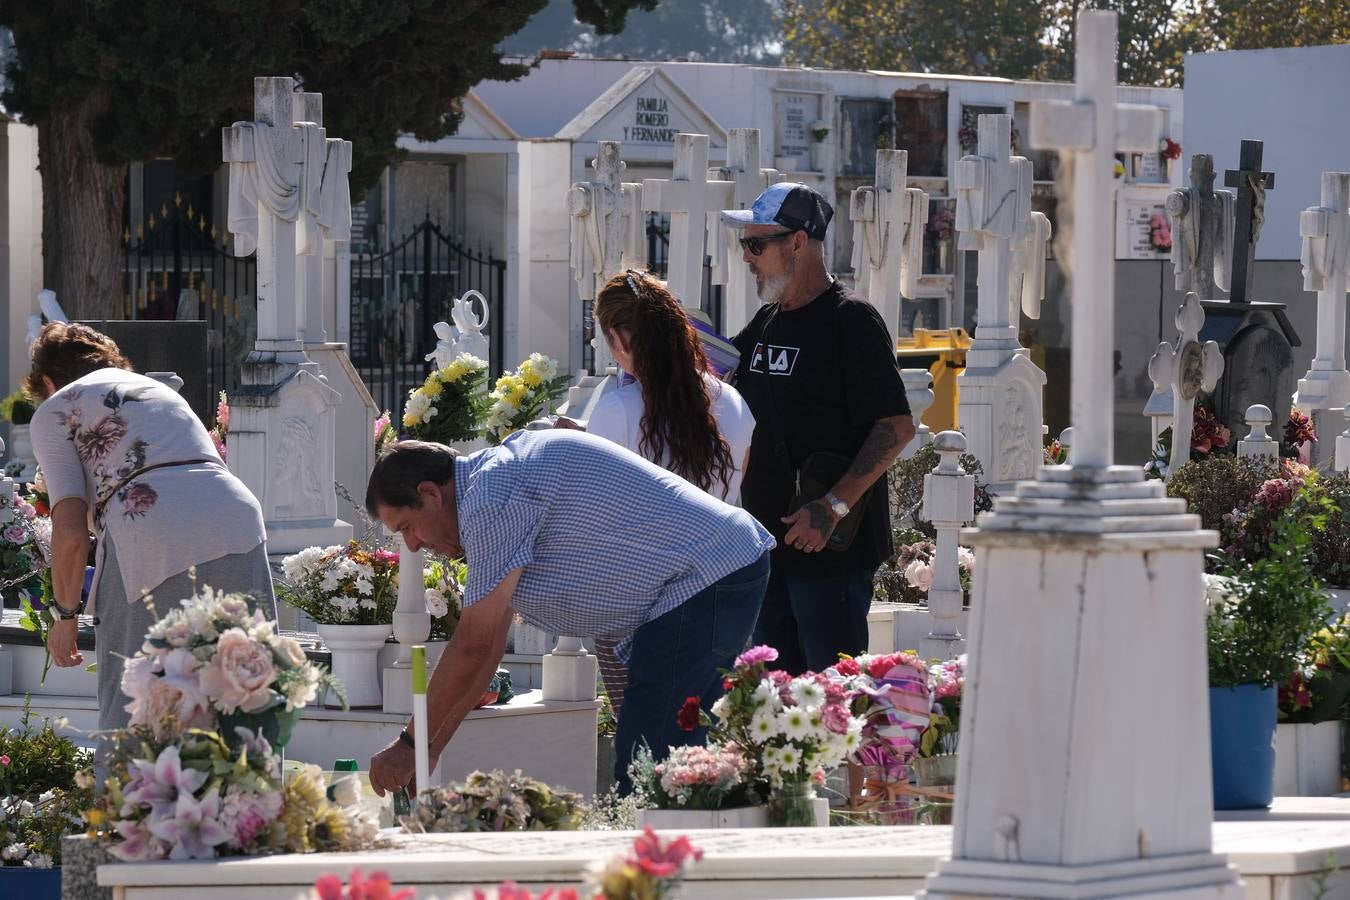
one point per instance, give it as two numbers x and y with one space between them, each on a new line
810 620
680 655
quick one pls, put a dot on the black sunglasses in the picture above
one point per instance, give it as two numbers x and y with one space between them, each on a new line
756 245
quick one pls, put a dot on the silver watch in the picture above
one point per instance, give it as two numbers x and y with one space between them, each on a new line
839 507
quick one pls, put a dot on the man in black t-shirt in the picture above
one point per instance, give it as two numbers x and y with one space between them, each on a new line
818 370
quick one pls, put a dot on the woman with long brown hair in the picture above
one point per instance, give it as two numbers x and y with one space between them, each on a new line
673 411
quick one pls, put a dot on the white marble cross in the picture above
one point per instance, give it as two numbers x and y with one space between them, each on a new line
689 197
888 222
749 180
994 217
327 176
597 233
1190 366
1088 131
270 195
1325 230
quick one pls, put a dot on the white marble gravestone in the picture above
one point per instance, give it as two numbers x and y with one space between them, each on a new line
1089 607
888 224
1188 368
740 300
1325 229
690 198
1001 389
283 416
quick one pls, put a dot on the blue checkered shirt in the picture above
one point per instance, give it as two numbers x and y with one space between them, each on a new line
607 540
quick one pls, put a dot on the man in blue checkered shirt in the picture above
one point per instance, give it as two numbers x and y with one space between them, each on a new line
578 536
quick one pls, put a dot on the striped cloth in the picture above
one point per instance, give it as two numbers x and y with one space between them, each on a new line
607 541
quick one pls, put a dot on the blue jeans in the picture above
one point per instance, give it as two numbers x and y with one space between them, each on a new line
681 655
810 619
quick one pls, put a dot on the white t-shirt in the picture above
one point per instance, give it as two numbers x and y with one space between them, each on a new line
95 432
618 417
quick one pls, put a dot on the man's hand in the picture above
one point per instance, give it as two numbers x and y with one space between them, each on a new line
393 768
61 643
568 424
810 527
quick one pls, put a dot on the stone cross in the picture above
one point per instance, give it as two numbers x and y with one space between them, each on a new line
1001 388
332 222
689 197
919 392
1258 443
1325 230
1252 185
1190 366
949 503
888 224
1088 131
749 180
597 216
275 186
1202 226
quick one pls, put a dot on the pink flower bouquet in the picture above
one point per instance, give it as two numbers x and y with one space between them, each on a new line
891 694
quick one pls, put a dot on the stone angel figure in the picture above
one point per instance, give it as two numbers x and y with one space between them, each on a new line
466 336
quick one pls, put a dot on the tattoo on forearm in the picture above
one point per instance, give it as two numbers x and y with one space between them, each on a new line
879 448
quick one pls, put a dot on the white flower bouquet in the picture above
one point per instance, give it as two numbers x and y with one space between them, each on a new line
521 396
351 585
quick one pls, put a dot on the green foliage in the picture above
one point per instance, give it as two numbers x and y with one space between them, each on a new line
17 408
1331 540
905 483
1215 486
1273 606
44 788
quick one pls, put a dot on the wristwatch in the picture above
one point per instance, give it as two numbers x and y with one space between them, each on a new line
839 507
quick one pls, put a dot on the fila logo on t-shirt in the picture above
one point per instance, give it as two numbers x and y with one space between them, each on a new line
777 360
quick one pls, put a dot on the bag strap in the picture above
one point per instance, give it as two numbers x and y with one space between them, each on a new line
103 501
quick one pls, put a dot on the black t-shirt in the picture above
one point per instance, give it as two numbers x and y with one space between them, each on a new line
817 378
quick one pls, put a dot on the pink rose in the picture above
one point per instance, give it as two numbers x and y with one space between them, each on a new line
240 675
919 574
4 761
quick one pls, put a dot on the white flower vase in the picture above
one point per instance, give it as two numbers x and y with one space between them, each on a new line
355 650
22 451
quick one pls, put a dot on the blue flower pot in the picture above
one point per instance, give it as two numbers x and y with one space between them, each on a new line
30 884
1242 745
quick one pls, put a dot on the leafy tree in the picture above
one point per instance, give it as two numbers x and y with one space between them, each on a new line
1153 38
746 31
1251 24
108 82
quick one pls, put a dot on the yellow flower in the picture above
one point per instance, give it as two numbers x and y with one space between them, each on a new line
432 388
411 421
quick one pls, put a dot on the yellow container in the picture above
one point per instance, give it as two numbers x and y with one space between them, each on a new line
943 354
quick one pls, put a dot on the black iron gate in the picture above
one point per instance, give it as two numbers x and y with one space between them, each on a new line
397 297
176 266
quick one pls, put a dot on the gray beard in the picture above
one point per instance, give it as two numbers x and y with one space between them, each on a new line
773 288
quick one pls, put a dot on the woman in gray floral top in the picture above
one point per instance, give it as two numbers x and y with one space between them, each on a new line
124 455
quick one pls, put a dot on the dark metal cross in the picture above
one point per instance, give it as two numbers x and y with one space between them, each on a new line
1252 185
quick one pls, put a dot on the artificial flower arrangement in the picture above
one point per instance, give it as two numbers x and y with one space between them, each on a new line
352 585
495 801
1056 454
1320 687
891 694
795 729
1209 437
220 428
217 659
1160 233
195 775
451 404
44 787
25 536
522 396
444 583
716 776
385 432
907 576
947 682
942 223
651 869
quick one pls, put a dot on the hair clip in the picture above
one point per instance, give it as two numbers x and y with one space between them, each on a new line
632 285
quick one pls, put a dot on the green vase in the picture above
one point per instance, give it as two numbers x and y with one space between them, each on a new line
793 806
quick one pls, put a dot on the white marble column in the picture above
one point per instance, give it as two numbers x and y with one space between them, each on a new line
1088 608
949 503
570 672
1258 443
919 392
412 625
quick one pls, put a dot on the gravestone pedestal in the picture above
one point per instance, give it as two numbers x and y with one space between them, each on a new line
1257 341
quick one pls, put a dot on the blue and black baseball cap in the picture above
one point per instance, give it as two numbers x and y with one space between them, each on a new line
790 204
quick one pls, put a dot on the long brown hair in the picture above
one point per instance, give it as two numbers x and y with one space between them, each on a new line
677 419
66 351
